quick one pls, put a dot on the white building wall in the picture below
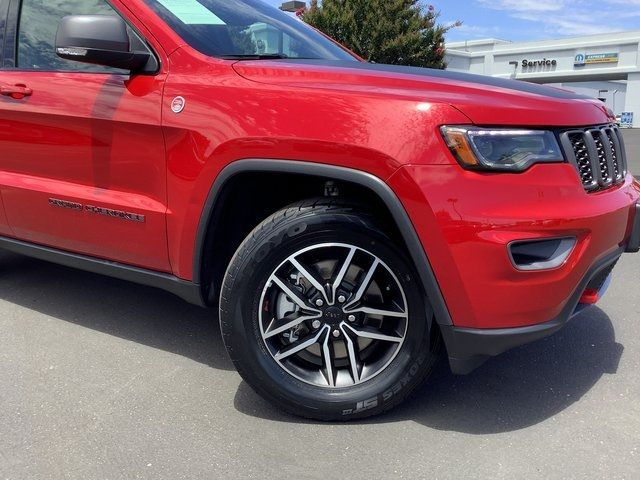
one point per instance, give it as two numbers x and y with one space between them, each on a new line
503 59
459 63
633 98
615 96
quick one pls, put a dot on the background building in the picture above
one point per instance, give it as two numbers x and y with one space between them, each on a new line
602 66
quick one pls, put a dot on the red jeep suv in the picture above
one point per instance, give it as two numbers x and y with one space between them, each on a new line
350 220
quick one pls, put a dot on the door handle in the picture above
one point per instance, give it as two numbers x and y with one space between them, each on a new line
18 91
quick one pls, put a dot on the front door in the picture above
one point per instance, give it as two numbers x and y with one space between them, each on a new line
82 157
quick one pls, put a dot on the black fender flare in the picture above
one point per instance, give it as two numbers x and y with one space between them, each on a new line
367 180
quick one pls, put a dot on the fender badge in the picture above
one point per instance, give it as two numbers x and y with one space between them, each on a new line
178 104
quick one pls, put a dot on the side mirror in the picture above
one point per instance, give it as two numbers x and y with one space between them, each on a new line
99 40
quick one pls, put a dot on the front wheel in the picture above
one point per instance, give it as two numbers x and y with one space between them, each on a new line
323 315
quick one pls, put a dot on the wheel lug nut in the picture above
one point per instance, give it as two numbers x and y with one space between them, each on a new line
336 333
316 324
319 302
342 298
351 318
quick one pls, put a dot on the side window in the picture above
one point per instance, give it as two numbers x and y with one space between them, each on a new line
39 20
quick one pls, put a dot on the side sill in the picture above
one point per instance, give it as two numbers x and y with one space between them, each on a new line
188 291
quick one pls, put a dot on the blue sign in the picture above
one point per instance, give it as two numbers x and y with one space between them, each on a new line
583 59
626 119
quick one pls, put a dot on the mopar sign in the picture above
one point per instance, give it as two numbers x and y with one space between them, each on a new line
591 58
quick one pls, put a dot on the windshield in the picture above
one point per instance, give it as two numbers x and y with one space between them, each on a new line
245 29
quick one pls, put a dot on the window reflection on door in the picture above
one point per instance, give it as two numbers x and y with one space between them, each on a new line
268 39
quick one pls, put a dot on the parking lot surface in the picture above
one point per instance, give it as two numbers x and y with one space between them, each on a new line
103 379
632 142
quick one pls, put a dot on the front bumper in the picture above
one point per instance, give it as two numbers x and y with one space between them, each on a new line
633 245
468 348
493 305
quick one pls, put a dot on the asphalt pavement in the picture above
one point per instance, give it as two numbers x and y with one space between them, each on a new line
103 379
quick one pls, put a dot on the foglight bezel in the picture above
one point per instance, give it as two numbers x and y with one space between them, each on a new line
460 140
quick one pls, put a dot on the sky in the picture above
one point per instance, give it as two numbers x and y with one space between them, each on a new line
522 20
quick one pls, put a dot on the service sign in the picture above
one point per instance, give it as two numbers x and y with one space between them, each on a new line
593 58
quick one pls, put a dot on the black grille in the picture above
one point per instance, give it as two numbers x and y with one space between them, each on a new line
598 155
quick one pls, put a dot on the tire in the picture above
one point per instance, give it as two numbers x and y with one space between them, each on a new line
378 358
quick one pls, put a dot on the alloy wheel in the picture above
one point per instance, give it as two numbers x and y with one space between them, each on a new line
333 315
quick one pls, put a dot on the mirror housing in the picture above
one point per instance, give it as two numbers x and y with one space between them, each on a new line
99 40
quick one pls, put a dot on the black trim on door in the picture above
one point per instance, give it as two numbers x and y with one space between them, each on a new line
375 184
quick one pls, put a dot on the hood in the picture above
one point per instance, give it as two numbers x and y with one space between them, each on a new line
485 100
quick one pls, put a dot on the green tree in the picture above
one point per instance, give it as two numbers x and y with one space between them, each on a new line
400 32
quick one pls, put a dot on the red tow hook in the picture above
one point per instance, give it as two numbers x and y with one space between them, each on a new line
590 296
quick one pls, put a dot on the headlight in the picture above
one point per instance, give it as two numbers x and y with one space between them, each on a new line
507 150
